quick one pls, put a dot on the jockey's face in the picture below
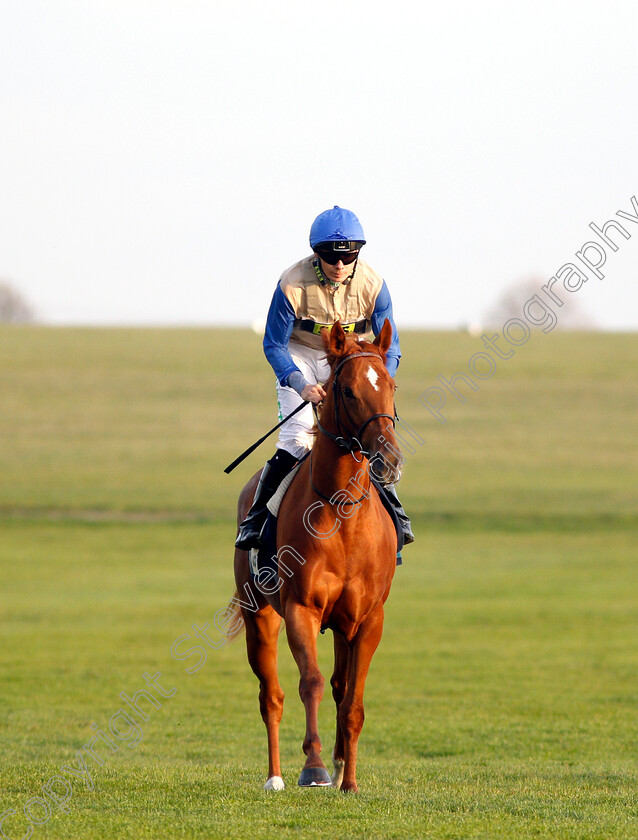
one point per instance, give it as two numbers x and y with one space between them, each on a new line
337 273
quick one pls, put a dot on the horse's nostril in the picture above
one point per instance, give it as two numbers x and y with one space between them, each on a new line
381 470
375 472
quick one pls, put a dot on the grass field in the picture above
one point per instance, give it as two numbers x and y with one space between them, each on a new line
502 702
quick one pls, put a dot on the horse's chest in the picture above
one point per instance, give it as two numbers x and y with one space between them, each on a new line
356 600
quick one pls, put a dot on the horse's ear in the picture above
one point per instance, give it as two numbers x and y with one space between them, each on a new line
335 343
384 339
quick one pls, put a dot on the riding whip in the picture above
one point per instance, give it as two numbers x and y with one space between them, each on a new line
252 448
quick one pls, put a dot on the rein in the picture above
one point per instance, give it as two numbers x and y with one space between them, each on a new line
353 443
365 495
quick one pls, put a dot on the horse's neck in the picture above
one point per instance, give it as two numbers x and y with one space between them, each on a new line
334 469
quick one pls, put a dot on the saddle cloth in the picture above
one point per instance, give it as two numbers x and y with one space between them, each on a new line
274 503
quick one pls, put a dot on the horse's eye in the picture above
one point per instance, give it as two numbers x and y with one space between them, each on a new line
348 393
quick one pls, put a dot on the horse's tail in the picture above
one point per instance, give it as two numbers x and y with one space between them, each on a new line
233 618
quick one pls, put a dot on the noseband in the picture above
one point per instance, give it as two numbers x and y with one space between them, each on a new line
353 443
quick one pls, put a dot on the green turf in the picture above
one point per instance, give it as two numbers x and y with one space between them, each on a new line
502 701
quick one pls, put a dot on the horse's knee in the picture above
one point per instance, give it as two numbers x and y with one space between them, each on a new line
311 686
271 702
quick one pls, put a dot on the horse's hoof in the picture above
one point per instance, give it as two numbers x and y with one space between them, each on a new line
314 777
349 787
274 783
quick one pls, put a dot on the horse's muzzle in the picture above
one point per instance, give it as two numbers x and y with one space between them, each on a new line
385 467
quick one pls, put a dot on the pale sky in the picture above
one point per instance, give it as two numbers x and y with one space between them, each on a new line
161 162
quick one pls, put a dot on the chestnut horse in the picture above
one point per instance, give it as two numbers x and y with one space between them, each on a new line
336 559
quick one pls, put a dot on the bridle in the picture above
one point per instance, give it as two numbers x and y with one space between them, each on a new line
353 443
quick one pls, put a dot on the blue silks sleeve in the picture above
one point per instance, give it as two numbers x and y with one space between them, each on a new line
383 310
279 324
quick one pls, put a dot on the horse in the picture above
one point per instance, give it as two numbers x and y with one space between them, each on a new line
333 523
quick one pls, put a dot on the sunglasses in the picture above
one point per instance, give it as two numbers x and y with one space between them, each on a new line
346 250
332 257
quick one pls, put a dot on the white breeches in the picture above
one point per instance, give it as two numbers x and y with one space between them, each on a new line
295 435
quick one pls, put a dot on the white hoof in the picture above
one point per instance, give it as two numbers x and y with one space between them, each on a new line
274 783
337 776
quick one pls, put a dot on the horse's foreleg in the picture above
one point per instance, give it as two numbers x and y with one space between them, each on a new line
338 683
262 632
302 627
351 713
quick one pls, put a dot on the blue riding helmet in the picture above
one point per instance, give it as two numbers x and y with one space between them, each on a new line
336 225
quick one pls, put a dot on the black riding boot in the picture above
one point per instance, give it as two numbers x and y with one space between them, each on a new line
272 475
406 525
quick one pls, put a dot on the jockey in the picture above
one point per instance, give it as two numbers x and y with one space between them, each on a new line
332 284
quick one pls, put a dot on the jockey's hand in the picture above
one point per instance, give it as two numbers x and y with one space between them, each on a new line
314 393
